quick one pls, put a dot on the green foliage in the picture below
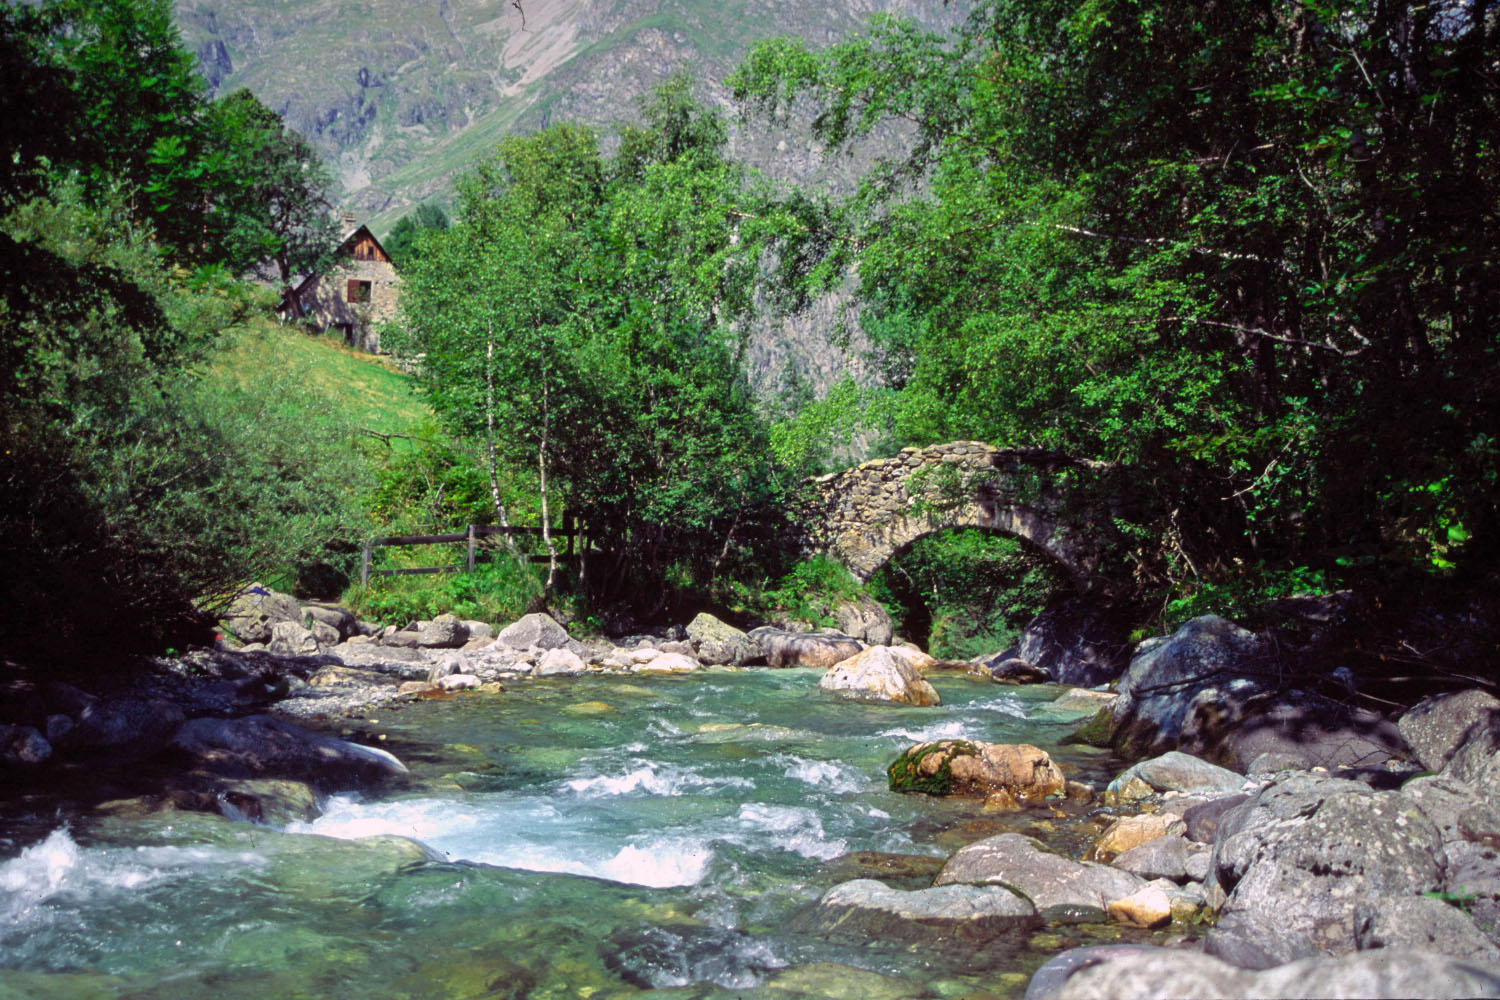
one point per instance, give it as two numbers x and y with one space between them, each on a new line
810 591
501 591
404 243
137 480
585 306
963 594
1250 252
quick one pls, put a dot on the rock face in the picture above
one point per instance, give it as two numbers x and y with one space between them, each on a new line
1047 879
259 746
804 649
1138 973
1211 689
867 908
968 768
1300 854
876 675
719 642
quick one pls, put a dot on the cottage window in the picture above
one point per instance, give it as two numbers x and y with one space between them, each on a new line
358 291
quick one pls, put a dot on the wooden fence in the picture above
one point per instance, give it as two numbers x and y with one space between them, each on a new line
471 534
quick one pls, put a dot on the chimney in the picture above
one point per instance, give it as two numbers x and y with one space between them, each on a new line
350 218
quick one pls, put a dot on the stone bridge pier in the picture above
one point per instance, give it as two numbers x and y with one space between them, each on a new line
865 515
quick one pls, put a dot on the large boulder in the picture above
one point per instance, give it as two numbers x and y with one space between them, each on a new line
251 615
293 639
719 642
976 769
442 632
1299 854
1049 880
876 675
535 631
1436 727
1076 640
1476 760
260 746
1134 972
868 909
804 649
1175 771
124 728
1214 690
1421 923
864 619
340 619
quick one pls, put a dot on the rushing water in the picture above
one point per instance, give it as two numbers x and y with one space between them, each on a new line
592 837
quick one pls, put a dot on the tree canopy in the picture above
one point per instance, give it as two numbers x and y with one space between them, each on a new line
1248 250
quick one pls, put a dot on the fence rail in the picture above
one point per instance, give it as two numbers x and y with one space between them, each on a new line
471 534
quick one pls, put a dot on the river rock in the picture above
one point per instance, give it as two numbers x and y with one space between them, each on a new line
23 745
668 663
1436 727
340 619
293 639
460 682
804 649
260 746
866 908
1162 857
864 619
877 675
560 661
1421 923
1077 640
1298 856
534 631
1202 819
271 801
125 728
1130 832
1046 878
1175 771
251 615
1141 973
443 632
1212 689
1476 760
719 642
1148 906
974 769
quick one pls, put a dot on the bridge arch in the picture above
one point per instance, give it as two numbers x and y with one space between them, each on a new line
864 516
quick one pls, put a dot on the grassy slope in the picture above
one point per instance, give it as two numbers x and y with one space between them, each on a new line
361 390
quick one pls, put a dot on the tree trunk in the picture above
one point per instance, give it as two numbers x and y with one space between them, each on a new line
489 435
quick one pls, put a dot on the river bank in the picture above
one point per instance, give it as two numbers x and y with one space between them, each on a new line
1174 854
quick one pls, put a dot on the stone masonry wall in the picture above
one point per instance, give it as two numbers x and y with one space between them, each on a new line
865 515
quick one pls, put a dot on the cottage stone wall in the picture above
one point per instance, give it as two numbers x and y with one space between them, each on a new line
324 301
865 515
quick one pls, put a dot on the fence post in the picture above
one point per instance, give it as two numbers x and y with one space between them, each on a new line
364 565
469 562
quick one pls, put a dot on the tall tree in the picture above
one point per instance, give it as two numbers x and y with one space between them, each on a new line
588 305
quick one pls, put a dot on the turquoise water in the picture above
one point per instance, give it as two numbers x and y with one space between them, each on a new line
587 837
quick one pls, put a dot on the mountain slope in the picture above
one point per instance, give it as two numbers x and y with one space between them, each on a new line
400 96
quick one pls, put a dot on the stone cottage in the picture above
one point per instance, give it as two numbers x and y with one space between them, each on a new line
354 296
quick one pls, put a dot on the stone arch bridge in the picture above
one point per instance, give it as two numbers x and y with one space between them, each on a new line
864 516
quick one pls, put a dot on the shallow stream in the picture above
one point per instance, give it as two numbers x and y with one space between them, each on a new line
588 837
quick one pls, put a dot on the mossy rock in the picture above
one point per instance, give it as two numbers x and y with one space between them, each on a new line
1097 732
905 772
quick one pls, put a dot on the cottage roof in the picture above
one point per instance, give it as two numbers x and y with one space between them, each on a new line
353 235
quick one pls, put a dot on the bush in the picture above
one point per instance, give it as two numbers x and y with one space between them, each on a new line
497 592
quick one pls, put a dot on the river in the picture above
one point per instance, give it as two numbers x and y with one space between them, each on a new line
589 837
